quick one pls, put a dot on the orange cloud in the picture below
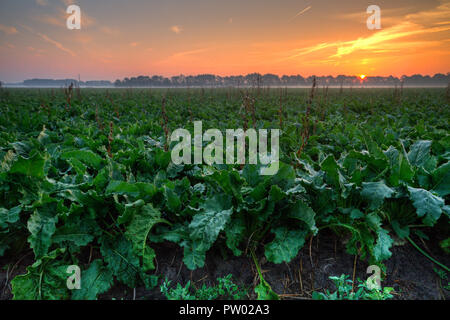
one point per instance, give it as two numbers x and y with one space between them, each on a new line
384 39
176 29
8 30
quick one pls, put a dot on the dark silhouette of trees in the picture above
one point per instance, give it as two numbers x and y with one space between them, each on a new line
250 80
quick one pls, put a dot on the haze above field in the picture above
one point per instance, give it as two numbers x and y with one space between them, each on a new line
121 39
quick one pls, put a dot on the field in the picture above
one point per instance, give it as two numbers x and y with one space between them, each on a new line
86 180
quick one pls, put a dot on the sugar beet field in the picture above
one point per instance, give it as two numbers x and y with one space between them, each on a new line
93 207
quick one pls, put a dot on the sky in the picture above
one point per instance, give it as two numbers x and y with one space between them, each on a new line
121 39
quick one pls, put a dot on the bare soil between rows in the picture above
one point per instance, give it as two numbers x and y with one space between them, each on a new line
410 273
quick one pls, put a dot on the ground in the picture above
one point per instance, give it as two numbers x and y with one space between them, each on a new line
410 273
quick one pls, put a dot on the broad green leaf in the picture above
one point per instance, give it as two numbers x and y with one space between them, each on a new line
230 182
381 248
42 226
87 157
77 231
9 216
284 178
234 232
402 232
331 168
173 202
32 167
138 231
426 203
276 194
207 224
204 229
286 245
118 254
265 292
419 153
194 254
303 212
96 280
45 280
136 190
375 193
441 180
401 169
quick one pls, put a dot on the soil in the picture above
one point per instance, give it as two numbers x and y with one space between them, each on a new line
410 273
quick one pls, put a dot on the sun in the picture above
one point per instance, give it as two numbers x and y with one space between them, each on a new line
363 76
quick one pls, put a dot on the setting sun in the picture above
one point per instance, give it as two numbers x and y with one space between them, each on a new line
362 77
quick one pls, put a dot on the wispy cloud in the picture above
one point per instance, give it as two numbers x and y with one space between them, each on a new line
8 30
188 53
182 56
56 44
53 42
389 39
300 13
176 29
403 30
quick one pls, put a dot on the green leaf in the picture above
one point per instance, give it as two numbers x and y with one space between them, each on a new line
276 194
85 156
265 292
162 158
42 226
285 246
303 212
32 167
136 190
426 203
284 178
138 230
445 245
194 254
205 227
402 232
381 248
96 280
9 216
234 232
441 180
44 280
118 254
419 153
215 214
173 201
331 168
375 193
230 182
78 231
401 169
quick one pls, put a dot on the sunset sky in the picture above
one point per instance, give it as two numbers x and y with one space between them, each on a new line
170 37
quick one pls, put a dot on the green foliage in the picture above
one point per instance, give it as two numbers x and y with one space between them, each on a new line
344 291
68 185
96 280
225 289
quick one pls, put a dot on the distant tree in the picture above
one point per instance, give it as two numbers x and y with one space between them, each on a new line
255 80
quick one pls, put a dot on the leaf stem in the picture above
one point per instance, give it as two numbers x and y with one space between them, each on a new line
427 255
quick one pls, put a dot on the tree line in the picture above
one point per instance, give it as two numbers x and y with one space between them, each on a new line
256 79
